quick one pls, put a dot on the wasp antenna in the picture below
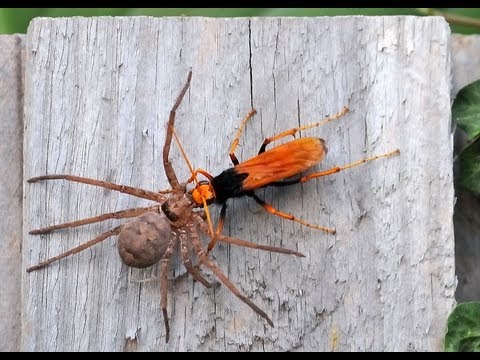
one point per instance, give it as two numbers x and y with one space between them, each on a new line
209 219
194 174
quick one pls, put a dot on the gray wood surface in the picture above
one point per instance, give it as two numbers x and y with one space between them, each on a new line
11 136
97 96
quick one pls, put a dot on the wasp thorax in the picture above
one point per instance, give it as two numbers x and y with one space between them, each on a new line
143 241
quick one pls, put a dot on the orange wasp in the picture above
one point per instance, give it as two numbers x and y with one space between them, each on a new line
268 168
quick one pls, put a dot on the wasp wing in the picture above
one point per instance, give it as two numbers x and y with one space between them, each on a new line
281 162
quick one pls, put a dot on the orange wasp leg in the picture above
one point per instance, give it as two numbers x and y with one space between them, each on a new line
199 171
221 221
223 212
306 178
348 166
269 208
237 136
293 131
279 136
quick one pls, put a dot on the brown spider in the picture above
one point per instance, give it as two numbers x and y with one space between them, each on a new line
156 230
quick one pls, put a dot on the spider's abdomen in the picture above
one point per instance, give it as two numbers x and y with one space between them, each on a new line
143 241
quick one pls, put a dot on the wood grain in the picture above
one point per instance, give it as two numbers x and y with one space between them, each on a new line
97 96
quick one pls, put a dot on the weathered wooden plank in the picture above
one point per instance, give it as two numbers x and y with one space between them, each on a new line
466 218
11 133
98 93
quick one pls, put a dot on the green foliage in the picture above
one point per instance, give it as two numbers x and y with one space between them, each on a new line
470 167
463 326
473 13
15 20
466 112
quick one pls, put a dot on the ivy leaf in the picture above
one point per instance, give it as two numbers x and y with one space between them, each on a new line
470 167
466 110
463 328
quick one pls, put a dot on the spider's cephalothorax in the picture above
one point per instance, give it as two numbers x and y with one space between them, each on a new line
178 209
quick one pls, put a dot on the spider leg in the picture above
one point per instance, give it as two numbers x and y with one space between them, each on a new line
187 262
141 193
123 214
223 278
164 282
168 191
169 172
244 243
100 238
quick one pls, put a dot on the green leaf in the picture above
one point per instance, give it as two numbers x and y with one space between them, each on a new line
466 110
463 328
470 167
15 20
339 11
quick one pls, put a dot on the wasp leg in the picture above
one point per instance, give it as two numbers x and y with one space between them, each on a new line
305 127
237 136
274 211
